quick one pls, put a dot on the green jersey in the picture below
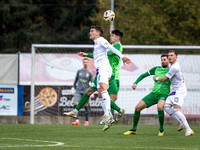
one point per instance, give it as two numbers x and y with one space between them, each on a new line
114 60
159 87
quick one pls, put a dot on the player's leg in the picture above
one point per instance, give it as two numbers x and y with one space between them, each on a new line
182 119
136 116
139 107
75 104
161 116
146 102
177 101
87 95
103 75
170 111
114 106
118 116
86 115
168 107
77 97
105 102
103 93
113 91
84 99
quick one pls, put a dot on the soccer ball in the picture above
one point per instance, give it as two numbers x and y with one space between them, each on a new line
109 15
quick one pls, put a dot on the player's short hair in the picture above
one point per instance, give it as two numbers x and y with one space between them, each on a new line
85 59
173 51
164 55
118 33
98 28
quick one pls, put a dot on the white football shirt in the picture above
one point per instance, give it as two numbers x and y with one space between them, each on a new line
100 52
176 77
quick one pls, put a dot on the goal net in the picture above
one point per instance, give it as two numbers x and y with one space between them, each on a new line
54 68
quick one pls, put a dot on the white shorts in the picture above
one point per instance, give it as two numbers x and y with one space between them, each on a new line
103 75
176 97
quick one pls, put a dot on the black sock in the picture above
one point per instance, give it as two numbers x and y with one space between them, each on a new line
86 113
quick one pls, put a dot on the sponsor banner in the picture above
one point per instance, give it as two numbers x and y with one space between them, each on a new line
55 100
51 69
8 100
62 68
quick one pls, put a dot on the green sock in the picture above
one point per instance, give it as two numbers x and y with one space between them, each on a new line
136 117
114 106
82 101
111 110
161 119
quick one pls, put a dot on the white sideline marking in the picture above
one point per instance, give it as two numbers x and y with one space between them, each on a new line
53 143
74 146
113 147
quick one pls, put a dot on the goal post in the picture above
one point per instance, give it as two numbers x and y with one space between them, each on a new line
32 85
53 67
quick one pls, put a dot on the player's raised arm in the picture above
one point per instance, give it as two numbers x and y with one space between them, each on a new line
142 76
82 54
124 59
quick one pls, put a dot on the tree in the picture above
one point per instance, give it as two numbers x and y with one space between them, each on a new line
39 21
157 22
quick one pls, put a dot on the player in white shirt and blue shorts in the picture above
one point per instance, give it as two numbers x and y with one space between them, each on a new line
103 69
178 93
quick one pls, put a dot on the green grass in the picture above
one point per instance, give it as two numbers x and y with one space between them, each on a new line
92 137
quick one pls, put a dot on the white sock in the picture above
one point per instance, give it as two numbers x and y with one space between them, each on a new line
100 102
168 109
106 102
75 110
182 118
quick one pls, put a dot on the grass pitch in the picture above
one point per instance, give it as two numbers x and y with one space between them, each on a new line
60 137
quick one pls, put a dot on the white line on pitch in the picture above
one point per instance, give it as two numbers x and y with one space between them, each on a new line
117 147
53 143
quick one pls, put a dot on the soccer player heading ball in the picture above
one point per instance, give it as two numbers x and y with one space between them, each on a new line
103 70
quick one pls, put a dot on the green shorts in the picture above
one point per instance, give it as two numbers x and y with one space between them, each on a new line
153 98
113 85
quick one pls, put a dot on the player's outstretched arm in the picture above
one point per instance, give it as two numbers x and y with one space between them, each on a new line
114 50
82 54
161 79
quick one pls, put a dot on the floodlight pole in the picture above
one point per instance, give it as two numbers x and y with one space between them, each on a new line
112 22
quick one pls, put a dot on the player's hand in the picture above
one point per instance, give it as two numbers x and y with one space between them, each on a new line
154 78
126 60
73 90
134 86
82 54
